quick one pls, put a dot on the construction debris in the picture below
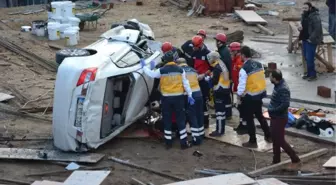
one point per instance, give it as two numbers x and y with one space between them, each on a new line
146 169
232 179
7 110
48 155
51 66
269 32
331 163
5 97
86 178
274 167
36 109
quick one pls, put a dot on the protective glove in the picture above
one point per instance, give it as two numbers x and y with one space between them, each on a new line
207 78
152 65
191 100
143 63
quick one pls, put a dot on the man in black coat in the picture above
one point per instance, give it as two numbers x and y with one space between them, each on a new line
332 19
311 35
278 111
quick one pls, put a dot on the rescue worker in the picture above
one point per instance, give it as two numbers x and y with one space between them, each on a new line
237 63
201 65
194 112
187 48
251 91
173 83
167 46
221 82
225 56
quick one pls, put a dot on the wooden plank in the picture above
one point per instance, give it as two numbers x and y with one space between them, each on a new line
86 178
275 167
269 32
269 41
45 182
48 155
329 65
330 55
231 137
294 26
327 39
250 17
230 179
331 163
5 97
270 181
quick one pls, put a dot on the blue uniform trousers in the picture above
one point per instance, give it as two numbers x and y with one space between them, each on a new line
175 104
221 99
196 119
205 92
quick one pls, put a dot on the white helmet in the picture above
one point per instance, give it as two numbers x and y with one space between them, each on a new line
213 56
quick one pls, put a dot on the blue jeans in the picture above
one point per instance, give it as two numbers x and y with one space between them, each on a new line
332 22
309 51
175 104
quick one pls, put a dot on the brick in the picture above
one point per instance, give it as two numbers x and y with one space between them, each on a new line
324 92
272 66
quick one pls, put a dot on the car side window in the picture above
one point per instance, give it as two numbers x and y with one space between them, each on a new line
130 59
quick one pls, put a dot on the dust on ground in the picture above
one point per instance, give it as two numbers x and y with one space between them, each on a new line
169 24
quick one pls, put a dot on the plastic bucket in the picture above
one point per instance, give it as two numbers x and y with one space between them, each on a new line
54 31
56 9
74 21
25 28
63 27
76 29
35 24
68 9
40 30
71 37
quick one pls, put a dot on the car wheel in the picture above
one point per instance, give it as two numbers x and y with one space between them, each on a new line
70 52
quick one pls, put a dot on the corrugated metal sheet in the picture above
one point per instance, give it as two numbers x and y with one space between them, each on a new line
221 6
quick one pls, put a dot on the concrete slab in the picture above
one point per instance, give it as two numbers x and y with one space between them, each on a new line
232 179
231 137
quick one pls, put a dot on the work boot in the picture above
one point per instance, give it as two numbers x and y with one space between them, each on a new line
215 134
241 130
186 146
305 77
250 144
312 78
268 139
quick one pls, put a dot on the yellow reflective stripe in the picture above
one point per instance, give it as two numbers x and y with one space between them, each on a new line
171 84
222 83
256 83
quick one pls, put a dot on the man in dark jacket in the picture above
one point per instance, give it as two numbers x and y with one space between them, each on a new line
278 111
225 56
332 19
311 35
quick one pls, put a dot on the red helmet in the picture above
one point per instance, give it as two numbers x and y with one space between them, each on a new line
166 46
221 37
235 46
202 33
197 41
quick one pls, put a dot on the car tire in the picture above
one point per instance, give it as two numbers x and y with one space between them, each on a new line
70 52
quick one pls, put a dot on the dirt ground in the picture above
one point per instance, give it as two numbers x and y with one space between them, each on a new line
169 24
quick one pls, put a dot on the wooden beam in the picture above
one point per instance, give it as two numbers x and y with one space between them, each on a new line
269 32
269 41
330 68
291 19
36 109
303 158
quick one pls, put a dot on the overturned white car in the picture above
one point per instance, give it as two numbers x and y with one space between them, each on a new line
101 89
